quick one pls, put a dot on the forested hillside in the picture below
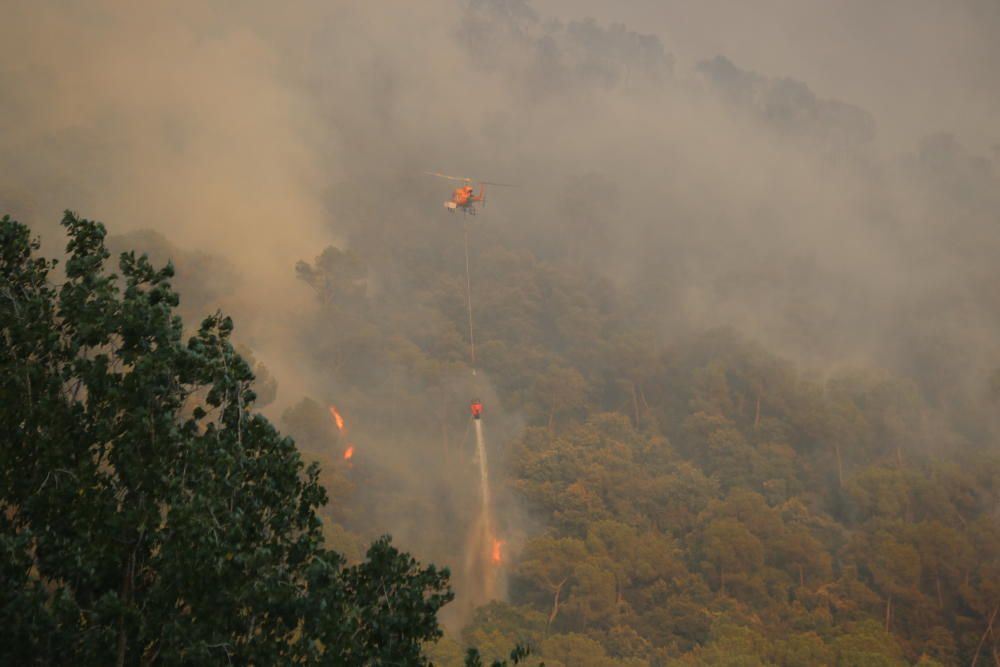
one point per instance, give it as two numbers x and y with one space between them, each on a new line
735 330
697 499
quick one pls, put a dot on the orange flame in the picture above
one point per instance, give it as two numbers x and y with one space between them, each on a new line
337 418
497 546
349 452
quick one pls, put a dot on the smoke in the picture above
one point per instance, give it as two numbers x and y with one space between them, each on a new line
173 117
919 66
821 176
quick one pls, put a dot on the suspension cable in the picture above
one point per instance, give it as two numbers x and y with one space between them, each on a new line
468 294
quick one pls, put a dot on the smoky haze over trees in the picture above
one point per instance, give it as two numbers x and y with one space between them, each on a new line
737 331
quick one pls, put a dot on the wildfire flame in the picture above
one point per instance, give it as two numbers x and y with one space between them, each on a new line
349 452
497 546
337 418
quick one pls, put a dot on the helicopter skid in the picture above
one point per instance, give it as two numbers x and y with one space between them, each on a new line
452 206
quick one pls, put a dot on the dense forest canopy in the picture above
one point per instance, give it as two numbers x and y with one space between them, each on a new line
739 361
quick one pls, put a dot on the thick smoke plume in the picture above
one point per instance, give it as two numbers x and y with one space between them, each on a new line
792 199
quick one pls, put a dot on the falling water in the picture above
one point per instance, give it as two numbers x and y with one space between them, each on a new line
484 475
480 565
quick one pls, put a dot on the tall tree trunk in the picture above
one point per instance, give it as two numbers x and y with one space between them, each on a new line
722 580
151 653
555 605
120 659
126 597
989 628
888 612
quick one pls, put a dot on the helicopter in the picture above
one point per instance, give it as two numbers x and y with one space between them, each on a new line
464 197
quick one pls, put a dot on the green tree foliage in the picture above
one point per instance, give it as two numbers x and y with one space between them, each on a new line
560 391
730 549
819 512
687 495
518 655
147 515
684 496
338 276
867 644
732 645
496 626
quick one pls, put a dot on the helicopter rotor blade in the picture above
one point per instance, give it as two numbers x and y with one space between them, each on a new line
452 178
502 185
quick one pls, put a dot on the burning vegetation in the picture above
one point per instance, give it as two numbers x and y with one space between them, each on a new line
342 429
739 354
